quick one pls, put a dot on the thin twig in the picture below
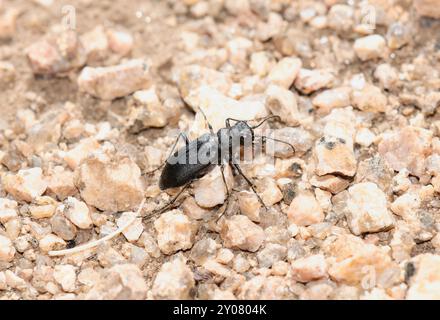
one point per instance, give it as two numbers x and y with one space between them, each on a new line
95 243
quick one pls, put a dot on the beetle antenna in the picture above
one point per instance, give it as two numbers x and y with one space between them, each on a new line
264 138
265 119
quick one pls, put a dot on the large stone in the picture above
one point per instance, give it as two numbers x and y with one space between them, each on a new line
240 232
112 186
121 282
367 207
174 281
407 148
117 81
26 185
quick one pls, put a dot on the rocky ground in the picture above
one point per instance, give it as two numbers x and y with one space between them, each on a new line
93 94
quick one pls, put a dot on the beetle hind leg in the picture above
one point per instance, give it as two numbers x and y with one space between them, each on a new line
249 182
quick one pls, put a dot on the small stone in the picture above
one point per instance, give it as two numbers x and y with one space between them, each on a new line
369 99
367 206
51 242
110 186
7 250
240 232
95 44
7 72
398 35
261 63
147 111
217 269
174 281
224 256
270 254
370 47
8 20
121 282
357 262
82 150
301 140
249 205
282 102
269 191
332 98
284 72
45 208
309 81
387 75
61 183
334 155
192 210
62 227
428 8
331 183
56 54
425 282
78 212
14 281
120 42
7 210
309 268
364 137
203 250
112 82
240 263
174 232
341 17
210 190
26 185
407 148
264 288
65 275
134 231
304 210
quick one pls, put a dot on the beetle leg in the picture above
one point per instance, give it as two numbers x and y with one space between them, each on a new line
181 134
250 184
222 169
207 122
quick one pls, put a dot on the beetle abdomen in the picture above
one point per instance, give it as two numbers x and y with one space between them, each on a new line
177 175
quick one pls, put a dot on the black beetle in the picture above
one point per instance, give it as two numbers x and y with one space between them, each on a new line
198 157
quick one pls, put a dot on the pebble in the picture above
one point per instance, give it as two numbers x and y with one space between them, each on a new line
134 231
367 206
397 35
264 288
174 232
269 191
341 18
304 210
217 269
60 182
261 63
147 111
224 256
116 81
359 263
45 208
423 285
330 99
285 72
331 183
192 210
309 81
428 8
7 72
270 254
110 185
365 137
240 264
203 250
282 102
120 282
8 210
173 281
210 190
120 42
7 250
310 268
387 75
8 21
65 276
96 44
249 205
62 227
370 47
78 212
56 54
51 242
26 185
82 150
369 99
240 232
406 148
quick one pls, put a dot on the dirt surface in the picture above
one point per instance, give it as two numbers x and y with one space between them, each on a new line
347 215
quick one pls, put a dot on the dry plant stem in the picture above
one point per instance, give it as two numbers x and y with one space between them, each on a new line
96 243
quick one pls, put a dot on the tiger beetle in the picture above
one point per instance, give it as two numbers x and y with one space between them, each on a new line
198 157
